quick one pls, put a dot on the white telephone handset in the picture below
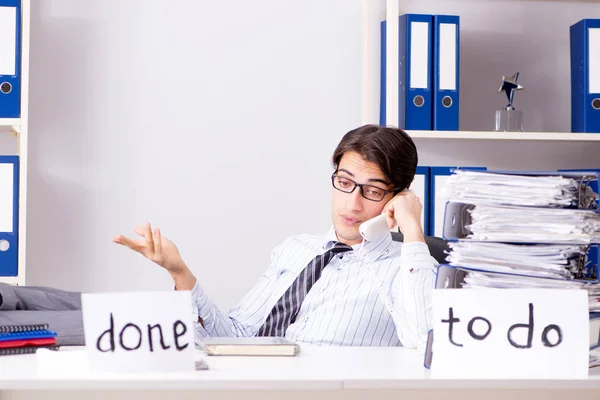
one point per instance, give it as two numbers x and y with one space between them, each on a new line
374 228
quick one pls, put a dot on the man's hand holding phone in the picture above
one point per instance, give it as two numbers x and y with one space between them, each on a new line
404 210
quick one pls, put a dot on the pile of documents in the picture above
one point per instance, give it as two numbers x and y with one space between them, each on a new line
483 279
549 261
525 229
533 225
522 190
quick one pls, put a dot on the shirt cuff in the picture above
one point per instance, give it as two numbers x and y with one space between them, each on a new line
410 248
199 333
415 256
196 291
196 294
204 308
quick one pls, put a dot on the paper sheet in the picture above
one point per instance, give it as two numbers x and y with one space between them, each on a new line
510 334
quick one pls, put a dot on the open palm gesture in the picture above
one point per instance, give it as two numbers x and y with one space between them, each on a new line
154 247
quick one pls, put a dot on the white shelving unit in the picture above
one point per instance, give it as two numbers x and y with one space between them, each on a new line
10 122
18 128
370 65
514 136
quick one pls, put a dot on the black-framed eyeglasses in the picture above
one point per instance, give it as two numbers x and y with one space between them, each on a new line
369 192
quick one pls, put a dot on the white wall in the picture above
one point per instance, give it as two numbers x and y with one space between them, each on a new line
213 120
216 122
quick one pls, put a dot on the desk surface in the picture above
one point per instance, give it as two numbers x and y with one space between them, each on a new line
316 368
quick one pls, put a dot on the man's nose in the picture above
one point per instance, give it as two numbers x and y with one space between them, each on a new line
355 200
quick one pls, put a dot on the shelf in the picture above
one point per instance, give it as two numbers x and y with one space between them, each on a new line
516 136
9 122
11 280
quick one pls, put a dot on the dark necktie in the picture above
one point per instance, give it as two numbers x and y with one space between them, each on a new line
285 311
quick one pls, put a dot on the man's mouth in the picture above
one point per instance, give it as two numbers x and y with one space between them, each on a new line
350 221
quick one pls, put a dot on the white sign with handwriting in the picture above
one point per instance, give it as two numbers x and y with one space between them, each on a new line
510 333
139 331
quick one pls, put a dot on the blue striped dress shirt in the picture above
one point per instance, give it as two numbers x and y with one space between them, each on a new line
378 294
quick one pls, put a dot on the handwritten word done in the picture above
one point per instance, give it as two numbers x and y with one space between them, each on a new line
132 337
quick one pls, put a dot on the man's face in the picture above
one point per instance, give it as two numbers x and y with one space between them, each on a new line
349 210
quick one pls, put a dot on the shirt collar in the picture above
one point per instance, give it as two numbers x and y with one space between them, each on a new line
371 249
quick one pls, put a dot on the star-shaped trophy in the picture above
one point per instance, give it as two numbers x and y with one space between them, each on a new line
509 119
509 85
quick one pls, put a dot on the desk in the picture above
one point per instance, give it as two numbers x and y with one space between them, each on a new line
317 373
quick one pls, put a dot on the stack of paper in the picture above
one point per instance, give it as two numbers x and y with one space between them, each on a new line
533 225
530 230
482 280
514 189
551 261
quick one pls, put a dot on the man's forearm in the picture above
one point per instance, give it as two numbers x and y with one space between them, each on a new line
414 233
183 278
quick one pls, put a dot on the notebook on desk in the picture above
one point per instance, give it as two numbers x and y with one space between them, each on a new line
249 346
24 339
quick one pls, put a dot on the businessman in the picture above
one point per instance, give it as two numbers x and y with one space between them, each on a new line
334 288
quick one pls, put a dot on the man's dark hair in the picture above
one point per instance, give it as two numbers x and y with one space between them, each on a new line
390 148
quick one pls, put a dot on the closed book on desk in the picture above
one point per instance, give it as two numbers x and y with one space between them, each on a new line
249 346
